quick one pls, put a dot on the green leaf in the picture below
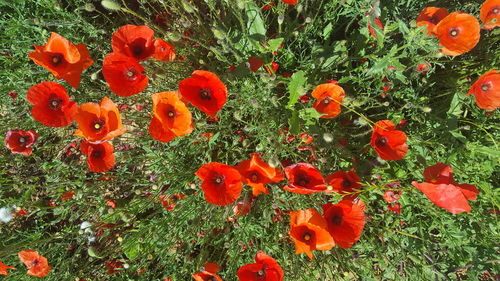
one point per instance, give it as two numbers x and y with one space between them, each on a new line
133 250
296 87
327 30
255 24
293 123
274 44
309 115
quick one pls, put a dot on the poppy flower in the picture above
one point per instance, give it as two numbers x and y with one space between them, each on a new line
209 274
243 207
68 195
265 268
490 14
304 178
99 122
487 90
290 2
51 104
163 51
389 143
62 58
328 98
20 142
100 157
113 267
205 91
134 41
171 117
395 208
257 173
391 196
430 17
308 230
458 33
255 63
345 183
221 183
345 221
124 75
4 267
36 263
442 190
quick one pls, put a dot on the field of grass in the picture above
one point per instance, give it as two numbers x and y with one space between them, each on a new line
313 42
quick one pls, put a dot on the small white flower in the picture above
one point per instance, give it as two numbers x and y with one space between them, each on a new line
85 225
5 214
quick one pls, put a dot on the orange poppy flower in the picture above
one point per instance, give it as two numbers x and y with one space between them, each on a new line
487 90
221 183
51 104
124 75
265 268
430 17
99 122
134 41
205 91
304 178
209 274
343 183
100 157
62 58
442 190
308 230
458 33
290 2
4 267
36 263
345 221
389 143
163 51
490 14
257 173
171 117
328 98
20 142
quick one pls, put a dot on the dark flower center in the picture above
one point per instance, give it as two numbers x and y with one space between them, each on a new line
495 11
381 141
326 100
454 32
56 59
98 125
171 114
211 278
23 140
219 180
261 273
254 177
346 183
336 220
485 86
302 180
130 73
205 94
55 103
137 50
434 20
96 154
35 262
307 236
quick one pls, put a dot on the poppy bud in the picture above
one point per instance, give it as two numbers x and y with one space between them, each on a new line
110 5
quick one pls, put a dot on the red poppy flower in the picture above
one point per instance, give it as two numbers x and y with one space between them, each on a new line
487 90
100 157
51 104
290 2
4 267
113 266
395 208
20 142
171 117
62 58
221 183
430 17
264 269
346 184
271 70
442 190
36 263
257 173
328 98
134 41
391 196
458 33
243 207
205 91
124 75
68 195
304 178
389 143
99 122
164 51
345 221
255 63
208 274
490 14
305 138
308 230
